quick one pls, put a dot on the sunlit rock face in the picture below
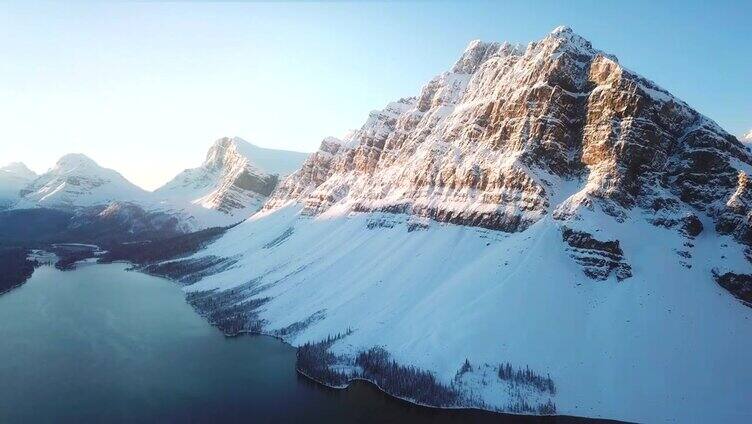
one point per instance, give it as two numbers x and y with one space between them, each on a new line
234 180
511 134
238 182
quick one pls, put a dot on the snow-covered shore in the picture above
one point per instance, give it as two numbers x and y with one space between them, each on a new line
636 350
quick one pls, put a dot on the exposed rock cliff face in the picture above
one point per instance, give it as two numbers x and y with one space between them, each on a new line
736 217
511 134
235 178
598 258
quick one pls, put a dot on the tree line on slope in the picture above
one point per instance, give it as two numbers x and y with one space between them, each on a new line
527 377
15 267
150 251
315 360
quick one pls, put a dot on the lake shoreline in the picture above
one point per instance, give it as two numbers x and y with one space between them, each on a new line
471 409
141 269
17 265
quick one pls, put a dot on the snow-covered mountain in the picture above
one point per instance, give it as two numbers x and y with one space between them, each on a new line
13 178
233 181
540 229
748 136
231 185
77 181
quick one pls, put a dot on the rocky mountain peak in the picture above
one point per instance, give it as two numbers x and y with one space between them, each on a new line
562 30
234 180
77 181
230 151
563 37
223 152
13 178
18 169
505 137
75 161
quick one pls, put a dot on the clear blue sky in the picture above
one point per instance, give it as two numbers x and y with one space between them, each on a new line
146 87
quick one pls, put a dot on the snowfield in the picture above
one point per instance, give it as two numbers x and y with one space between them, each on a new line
665 345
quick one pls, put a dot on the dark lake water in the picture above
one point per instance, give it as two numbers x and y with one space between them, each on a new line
100 344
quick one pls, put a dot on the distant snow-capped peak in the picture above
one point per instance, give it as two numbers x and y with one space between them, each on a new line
268 161
232 182
13 178
18 169
748 136
77 181
75 162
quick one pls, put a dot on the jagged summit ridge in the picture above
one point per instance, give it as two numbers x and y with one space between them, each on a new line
268 161
234 179
476 53
499 140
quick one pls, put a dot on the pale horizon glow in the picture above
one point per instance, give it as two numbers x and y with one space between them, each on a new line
145 88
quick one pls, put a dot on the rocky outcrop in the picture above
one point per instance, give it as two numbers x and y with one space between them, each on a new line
599 259
688 225
740 285
736 216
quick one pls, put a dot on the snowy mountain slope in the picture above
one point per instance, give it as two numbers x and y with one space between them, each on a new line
748 136
540 207
234 180
77 181
13 178
636 350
